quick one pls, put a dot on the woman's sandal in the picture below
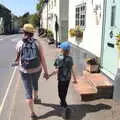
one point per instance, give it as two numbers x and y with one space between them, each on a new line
34 117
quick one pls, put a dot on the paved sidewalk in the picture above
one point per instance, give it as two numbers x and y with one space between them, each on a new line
49 110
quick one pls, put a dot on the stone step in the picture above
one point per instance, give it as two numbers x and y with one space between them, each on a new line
94 86
98 79
103 85
85 89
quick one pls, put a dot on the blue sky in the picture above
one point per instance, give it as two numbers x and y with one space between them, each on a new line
19 7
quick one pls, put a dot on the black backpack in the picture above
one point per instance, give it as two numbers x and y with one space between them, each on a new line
29 54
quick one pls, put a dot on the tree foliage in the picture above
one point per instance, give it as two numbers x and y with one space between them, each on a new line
34 20
27 18
24 19
40 4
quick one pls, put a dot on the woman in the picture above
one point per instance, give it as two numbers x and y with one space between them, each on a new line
31 59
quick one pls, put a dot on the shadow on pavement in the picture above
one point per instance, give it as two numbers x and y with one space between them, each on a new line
78 111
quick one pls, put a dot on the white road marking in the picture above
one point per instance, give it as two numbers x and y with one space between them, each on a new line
8 37
7 91
14 40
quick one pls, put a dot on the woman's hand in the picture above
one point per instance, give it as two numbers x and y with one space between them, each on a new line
46 76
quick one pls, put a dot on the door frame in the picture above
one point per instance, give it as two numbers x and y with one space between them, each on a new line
103 31
111 76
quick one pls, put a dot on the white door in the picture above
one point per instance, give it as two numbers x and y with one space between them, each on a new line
111 28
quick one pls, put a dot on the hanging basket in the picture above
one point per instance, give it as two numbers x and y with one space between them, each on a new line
72 32
79 34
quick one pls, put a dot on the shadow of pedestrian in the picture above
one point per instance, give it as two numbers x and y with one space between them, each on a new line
78 111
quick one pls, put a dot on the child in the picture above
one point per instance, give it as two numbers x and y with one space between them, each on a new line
64 68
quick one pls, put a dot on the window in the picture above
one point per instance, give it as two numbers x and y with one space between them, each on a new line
81 15
54 2
49 6
113 15
52 5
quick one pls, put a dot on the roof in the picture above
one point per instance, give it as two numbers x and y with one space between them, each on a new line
3 7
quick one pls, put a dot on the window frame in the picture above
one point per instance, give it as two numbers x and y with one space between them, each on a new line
80 15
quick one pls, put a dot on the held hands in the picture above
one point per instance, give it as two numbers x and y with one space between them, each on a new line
75 82
46 76
75 79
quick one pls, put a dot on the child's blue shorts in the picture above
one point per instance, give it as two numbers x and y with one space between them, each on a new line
30 81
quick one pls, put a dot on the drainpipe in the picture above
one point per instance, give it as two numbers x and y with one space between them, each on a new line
103 31
47 14
56 30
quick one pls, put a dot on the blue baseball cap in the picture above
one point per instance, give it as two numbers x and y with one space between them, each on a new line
65 46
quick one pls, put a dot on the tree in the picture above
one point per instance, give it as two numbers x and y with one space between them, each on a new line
34 19
24 19
40 4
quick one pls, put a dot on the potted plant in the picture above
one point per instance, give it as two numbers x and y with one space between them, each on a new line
118 41
92 65
79 32
72 32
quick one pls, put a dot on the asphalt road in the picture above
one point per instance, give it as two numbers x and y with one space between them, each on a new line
7 56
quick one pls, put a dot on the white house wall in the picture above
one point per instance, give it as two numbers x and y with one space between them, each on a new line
54 11
44 17
64 7
92 34
61 11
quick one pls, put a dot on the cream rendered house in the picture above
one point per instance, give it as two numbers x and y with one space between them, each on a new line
56 11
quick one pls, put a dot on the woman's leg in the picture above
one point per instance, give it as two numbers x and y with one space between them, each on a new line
30 106
35 78
28 91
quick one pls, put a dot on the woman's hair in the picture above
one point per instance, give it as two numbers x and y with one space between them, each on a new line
29 34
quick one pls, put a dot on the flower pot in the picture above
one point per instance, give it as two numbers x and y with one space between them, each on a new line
79 34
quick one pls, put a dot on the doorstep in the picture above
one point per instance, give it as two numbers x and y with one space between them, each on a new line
92 86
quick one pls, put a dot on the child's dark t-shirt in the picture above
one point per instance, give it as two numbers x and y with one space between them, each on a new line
64 65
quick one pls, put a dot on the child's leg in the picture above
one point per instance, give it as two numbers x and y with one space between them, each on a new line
62 91
65 89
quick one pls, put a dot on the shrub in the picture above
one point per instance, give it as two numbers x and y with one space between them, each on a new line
49 33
